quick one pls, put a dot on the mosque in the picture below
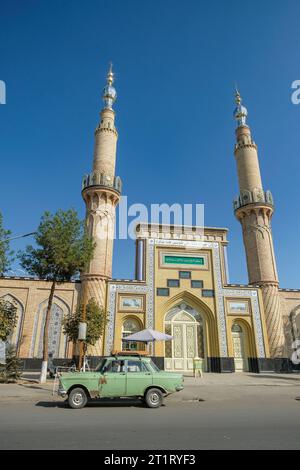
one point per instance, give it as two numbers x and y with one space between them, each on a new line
181 284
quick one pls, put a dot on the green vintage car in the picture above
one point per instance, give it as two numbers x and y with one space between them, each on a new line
120 376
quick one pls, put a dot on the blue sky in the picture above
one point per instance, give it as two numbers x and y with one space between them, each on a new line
176 64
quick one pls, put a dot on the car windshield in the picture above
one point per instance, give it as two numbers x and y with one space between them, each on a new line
100 366
154 366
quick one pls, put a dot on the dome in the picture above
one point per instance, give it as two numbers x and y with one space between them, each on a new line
109 96
240 111
109 92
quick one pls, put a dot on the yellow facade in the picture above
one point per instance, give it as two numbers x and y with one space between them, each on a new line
201 294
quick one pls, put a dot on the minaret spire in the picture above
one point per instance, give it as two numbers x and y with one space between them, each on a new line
240 113
254 207
101 191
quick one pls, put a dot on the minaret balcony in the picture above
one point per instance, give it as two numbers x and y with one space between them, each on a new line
257 196
102 180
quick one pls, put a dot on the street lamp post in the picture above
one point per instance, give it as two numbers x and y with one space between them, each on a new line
19 236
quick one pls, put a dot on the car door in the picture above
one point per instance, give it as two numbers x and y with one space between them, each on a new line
113 381
138 377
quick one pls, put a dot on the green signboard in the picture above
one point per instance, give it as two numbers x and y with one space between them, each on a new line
194 260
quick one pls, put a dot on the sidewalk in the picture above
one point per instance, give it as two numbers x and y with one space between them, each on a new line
221 387
213 387
26 392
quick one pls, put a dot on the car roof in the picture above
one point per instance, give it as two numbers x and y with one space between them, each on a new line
130 358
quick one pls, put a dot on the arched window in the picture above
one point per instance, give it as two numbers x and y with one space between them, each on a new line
15 337
57 340
130 326
297 322
236 328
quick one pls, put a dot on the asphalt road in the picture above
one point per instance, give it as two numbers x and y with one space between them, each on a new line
256 419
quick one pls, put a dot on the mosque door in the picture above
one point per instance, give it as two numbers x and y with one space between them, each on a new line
185 346
187 333
238 340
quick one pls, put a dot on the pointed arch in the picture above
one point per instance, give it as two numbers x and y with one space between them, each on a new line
15 337
57 339
295 322
210 323
134 318
130 324
249 337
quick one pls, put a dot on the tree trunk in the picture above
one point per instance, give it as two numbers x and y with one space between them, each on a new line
43 376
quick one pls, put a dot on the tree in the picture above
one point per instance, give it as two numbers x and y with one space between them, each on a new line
95 319
5 253
63 250
11 372
8 319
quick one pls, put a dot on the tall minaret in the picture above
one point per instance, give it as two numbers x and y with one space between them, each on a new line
254 209
101 192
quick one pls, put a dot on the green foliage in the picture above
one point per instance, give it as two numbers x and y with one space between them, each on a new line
63 250
63 247
95 319
11 371
8 318
5 253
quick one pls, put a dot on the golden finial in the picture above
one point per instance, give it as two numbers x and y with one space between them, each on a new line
110 75
238 98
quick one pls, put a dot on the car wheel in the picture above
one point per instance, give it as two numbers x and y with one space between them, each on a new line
77 398
153 398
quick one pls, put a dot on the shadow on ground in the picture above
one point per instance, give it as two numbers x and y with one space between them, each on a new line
36 387
99 403
52 404
275 377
